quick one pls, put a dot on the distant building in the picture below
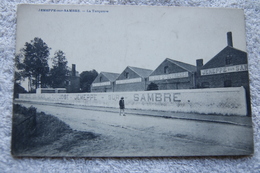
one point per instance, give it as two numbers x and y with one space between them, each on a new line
73 81
104 82
172 74
132 79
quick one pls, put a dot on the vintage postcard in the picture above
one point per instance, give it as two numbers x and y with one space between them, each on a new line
130 81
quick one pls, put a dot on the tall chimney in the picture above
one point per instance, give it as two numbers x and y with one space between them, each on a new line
199 63
229 39
73 70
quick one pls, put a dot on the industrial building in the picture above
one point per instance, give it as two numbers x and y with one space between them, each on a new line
229 68
132 79
171 74
104 82
226 69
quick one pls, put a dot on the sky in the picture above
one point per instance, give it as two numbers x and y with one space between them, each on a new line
110 38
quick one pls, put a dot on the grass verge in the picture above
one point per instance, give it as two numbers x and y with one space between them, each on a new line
32 132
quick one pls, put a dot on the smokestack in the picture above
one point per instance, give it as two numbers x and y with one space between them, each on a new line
229 39
73 70
199 63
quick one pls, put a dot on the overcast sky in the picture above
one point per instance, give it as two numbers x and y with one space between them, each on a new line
139 36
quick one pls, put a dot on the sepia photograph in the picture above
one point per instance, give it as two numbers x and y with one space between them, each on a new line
130 81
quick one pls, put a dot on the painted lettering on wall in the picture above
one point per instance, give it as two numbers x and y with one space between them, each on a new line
88 97
219 70
100 84
134 80
157 97
63 97
113 97
169 76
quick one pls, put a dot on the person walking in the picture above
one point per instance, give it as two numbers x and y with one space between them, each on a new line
122 106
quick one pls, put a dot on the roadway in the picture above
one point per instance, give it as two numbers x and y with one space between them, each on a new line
153 133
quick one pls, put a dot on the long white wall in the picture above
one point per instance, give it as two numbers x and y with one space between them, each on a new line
225 101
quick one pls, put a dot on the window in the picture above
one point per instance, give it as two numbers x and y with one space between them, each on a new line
166 70
100 78
227 83
68 82
228 59
127 75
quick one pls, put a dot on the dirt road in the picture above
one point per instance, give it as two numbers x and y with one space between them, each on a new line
136 135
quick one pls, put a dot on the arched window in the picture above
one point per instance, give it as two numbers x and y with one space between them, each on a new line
166 70
127 75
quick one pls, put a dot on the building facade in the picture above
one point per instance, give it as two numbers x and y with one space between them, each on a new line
104 82
132 79
227 69
171 74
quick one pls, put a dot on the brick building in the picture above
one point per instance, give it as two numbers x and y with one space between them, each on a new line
226 69
73 81
171 74
229 68
132 79
104 82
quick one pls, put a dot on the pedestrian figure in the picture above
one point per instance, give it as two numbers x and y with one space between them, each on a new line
122 106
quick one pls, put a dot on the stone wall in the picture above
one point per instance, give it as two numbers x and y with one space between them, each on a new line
224 101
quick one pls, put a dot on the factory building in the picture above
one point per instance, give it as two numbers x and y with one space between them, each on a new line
104 82
229 68
132 79
171 74
226 69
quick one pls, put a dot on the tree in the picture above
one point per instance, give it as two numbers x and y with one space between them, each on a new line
152 86
59 71
35 63
86 79
18 75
